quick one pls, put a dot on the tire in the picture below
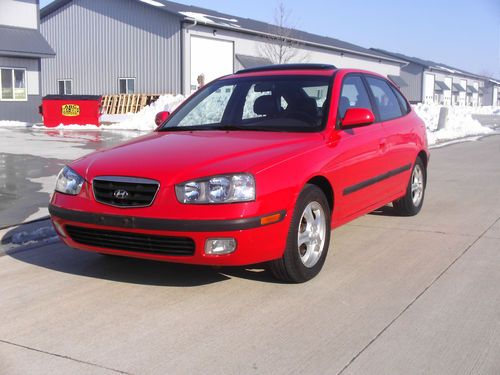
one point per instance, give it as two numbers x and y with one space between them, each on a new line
310 223
411 203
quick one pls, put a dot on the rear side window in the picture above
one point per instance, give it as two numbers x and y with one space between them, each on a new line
385 98
353 95
402 102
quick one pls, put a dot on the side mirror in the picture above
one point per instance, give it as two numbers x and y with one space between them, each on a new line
357 116
161 117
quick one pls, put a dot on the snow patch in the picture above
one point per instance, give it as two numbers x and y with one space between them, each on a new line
206 18
459 123
152 2
7 123
145 118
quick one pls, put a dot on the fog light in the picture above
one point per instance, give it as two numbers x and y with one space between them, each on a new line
217 246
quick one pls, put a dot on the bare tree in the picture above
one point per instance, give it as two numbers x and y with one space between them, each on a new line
280 45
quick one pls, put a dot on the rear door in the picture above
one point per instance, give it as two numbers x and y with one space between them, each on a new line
398 141
359 161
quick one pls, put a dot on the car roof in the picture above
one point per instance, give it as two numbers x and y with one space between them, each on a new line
297 69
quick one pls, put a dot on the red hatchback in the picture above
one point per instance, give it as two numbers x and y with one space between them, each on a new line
256 167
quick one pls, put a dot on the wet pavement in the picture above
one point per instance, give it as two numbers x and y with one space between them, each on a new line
30 160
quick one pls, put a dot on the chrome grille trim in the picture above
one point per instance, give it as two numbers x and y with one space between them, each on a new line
125 183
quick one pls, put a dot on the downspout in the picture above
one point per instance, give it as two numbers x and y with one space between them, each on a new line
184 27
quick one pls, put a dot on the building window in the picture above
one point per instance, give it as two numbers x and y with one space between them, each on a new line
127 85
65 86
13 84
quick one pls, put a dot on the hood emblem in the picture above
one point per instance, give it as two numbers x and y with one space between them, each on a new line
120 194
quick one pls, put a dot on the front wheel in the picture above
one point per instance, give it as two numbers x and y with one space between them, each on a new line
411 203
308 238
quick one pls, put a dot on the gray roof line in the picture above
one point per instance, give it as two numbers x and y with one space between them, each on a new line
20 41
430 64
246 25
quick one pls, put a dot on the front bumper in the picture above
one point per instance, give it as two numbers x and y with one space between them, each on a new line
257 241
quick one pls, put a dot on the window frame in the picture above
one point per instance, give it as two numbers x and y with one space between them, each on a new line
374 108
65 80
126 79
374 101
12 69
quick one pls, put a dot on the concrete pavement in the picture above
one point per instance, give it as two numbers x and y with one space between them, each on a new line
396 296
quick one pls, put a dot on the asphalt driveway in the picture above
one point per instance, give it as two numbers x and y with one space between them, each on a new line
396 296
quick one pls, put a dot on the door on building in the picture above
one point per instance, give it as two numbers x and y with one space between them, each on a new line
429 88
494 101
447 93
462 95
210 59
475 94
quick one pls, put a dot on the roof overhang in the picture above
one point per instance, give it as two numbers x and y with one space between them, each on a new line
471 90
456 87
22 42
400 82
440 86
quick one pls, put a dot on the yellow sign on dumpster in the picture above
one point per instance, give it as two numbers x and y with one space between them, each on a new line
70 110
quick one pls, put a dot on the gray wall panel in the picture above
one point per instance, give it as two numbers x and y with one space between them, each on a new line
412 74
122 38
21 110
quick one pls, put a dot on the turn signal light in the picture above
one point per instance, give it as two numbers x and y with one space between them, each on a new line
270 219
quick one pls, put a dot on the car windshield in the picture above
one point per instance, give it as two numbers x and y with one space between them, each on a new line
275 103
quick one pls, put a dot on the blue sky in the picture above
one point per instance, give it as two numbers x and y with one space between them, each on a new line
461 33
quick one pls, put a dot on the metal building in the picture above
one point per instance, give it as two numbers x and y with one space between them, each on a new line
431 82
21 48
491 92
158 46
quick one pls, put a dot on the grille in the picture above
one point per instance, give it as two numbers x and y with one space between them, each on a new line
125 191
142 243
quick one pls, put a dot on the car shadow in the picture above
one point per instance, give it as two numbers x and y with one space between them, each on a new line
387 210
53 254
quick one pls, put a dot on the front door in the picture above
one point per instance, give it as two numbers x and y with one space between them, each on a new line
359 161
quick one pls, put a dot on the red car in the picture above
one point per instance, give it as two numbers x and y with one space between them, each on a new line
255 167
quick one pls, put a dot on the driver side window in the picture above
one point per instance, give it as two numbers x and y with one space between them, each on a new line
353 95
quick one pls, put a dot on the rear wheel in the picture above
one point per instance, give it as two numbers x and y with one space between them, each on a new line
308 238
411 203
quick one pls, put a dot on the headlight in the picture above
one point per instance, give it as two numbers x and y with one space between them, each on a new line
217 189
69 182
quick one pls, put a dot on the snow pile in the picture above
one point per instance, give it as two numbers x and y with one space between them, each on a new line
459 123
8 123
145 118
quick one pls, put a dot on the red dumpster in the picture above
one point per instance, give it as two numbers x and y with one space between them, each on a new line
70 109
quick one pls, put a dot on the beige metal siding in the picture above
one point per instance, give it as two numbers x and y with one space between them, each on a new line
97 42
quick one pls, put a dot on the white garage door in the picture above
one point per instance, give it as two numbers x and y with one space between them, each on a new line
462 94
210 59
447 93
428 88
475 96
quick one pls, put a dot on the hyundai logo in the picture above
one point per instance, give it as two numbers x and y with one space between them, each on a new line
120 194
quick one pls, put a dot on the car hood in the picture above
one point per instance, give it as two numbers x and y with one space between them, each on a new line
172 157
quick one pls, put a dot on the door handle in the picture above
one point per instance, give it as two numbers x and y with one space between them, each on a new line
382 145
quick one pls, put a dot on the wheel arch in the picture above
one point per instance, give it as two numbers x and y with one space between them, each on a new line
423 156
326 187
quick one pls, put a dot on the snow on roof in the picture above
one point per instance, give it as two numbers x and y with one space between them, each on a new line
206 18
